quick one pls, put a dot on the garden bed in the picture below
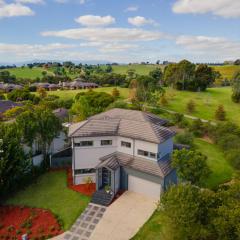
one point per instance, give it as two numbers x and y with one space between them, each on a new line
85 189
37 223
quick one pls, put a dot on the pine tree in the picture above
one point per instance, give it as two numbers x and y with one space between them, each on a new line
191 106
220 113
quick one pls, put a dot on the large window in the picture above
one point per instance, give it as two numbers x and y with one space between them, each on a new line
126 144
106 142
84 171
84 144
147 154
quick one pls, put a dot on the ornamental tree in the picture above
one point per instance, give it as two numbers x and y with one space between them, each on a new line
191 166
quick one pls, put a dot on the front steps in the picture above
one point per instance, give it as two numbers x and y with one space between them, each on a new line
103 198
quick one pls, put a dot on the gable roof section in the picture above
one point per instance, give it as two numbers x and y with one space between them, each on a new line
161 168
117 122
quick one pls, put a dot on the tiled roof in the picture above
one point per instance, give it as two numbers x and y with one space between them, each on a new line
134 115
161 168
125 123
7 104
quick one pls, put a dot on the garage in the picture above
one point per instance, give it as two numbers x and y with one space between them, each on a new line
144 187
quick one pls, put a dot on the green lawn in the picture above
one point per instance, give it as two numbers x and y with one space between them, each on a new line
51 192
139 68
27 72
221 169
69 94
206 103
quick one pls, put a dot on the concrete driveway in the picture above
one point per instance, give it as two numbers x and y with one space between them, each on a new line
123 219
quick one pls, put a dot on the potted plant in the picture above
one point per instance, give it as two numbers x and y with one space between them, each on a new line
107 189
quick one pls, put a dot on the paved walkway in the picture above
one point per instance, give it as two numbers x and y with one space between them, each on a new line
124 217
85 224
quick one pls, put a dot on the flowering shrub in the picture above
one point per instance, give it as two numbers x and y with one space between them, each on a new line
16 221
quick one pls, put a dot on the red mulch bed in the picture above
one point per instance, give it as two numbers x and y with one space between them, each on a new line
85 189
37 223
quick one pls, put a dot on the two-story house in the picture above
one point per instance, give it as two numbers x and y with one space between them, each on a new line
125 150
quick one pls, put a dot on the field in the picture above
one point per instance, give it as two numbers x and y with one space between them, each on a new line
51 192
206 103
227 71
27 72
69 94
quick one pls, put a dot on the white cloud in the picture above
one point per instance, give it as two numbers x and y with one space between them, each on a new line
106 34
82 1
14 10
141 21
30 1
95 21
214 47
132 8
223 8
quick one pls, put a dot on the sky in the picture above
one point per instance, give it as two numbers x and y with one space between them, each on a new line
119 31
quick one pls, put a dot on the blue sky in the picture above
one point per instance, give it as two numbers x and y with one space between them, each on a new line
119 31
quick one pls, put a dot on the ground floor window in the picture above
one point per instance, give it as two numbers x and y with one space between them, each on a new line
84 171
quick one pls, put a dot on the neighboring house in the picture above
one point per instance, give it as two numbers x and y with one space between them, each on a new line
8 87
7 105
77 84
123 149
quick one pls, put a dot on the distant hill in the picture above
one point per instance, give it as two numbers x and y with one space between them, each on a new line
227 71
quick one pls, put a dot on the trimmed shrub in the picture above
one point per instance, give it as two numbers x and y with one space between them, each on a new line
185 138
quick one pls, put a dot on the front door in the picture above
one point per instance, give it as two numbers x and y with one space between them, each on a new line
106 177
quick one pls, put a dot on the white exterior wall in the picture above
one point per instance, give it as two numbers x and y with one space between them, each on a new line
88 157
146 146
165 147
125 149
80 179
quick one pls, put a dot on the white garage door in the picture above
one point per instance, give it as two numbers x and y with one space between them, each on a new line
143 186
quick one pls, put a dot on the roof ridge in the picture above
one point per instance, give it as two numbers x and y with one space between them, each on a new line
86 121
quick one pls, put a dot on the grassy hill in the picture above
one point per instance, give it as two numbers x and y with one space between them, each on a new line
206 103
226 71
26 72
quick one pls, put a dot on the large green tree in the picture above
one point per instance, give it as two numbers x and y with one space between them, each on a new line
204 77
90 103
13 162
40 125
185 211
191 166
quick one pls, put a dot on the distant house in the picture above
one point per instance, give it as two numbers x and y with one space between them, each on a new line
7 105
123 150
8 87
61 113
46 86
77 84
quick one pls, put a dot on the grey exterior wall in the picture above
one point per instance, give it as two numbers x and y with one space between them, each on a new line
170 179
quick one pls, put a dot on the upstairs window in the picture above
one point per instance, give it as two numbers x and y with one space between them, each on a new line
106 142
147 154
84 144
126 144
